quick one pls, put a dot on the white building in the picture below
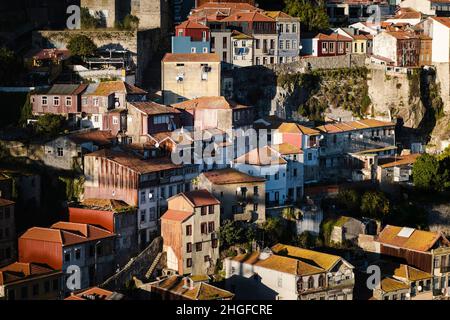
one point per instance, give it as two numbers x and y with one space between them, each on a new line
289 273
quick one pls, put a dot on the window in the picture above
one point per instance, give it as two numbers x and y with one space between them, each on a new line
152 214
321 281
143 213
56 101
288 44
213 42
60 152
294 44
35 289
255 207
295 172
203 210
77 254
95 118
224 56
24 292
255 190
204 228
115 120
180 33
331 47
281 44
310 283
143 197
211 209
188 247
84 101
47 286
214 243
224 43
211 226
281 27
188 262
96 102
294 28
204 35
68 101
193 50
44 101
257 44
198 246
341 47
205 50
206 258
324 47
67 257
277 176
189 230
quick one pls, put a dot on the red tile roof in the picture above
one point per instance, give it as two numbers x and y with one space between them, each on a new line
398 161
209 103
5 202
97 137
176 215
153 108
443 20
190 24
354 125
264 156
19 271
248 17
200 198
95 293
230 176
333 36
191 57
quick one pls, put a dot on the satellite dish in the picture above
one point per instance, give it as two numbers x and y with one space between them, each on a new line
150 195
117 104
419 288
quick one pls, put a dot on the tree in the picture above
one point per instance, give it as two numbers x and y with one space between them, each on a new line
81 46
350 200
374 204
88 21
10 67
273 230
307 240
26 112
50 125
312 17
230 233
426 173
130 22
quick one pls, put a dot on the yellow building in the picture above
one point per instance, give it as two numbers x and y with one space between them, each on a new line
362 44
188 76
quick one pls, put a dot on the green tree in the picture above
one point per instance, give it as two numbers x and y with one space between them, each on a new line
426 173
374 204
230 233
307 240
26 111
350 200
273 230
50 125
312 17
10 66
88 21
81 46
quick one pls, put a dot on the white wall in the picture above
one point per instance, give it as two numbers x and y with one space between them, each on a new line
440 43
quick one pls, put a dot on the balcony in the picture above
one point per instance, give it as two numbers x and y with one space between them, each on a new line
341 283
445 269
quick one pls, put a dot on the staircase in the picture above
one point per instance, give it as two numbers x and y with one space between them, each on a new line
153 266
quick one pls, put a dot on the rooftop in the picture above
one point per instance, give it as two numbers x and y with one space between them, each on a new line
398 160
264 156
209 103
408 238
191 57
153 108
230 176
5 202
19 271
95 293
291 127
199 198
248 17
106 88
97 137
391 285
190 24
63 89
287 149
354 125
104 204
176 215
443 20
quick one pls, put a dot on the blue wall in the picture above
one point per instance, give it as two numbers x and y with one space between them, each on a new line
184 45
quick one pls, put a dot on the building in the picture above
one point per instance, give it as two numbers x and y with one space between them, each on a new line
95 294
147 118
191 37
288 46
397 169
215 112
189 229
438 8
67 244
305 138
141 181
426 50
242 51
241 195
30 281
400 48
266 162
189 76
424 250
348 11
406 15
177 287
325 45
7 232
438 28
114 216
289 273
349 228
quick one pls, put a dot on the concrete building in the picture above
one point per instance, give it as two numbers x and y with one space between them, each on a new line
189 229
67 244
241 195
30 281
400 48
115 216
7 232
288 46
289 273
189 76
141 181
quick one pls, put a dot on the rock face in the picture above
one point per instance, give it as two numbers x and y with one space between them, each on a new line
391 95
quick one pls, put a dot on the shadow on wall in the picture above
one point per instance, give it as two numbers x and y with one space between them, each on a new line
249 288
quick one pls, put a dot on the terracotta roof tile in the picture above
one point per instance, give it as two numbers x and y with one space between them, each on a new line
264 156
354 125
230 176
291 127
176 215
19 271
200 198
190 24
398 161
95 293
209 103
5 202
98 137
287 149
191 57
391 285
248 17
443 20
153 108
104 204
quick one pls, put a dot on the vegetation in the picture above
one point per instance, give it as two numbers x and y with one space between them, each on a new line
130 22
50 125
14 113
308 240
233 233
81 46
88 21
374 204
312 17
432 173
10 66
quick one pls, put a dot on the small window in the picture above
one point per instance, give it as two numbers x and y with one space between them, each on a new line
198 246
56 101
60 152
204 228
77 254
188 262
211 226
189 230
44 101
115 120
193 50
35 289
68 101
205 50
214 243
188 247
67 257
211 209
203 210
206 258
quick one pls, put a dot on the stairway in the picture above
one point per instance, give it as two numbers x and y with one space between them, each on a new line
153 266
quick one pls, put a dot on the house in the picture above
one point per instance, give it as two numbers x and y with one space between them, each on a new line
114 216
364 163
242 51
266 162
241 195
177 287
341 138
348 11
214 112
397 169
30 281
45 65
188 76
406 15
95 294
305 138
438 28
402 48
365 27
68 244
66 151
424 250
141 181
402 282
288 45
362 41
189 228
437 8
348 229
325 45
289 273
7 232
147 118
426 50
191 37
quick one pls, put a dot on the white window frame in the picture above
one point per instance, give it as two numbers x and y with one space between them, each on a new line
69 101
56 101
44 100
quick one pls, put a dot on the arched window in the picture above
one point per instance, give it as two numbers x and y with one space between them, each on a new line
321 281
310 282
300 285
